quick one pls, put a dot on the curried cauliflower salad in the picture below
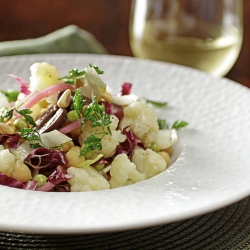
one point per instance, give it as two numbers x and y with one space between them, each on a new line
72 134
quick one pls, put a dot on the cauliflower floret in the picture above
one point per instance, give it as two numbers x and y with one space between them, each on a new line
109 141
86 179
43 75
143 121
148 162
123 172
166 138
7 161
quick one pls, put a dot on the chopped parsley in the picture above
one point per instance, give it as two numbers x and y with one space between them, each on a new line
95 114
78 103
26 114
97 117
179 124
176 125
75 74
31 134
162 124
157 104
6 114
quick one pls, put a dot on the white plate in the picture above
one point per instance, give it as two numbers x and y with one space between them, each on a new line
212 169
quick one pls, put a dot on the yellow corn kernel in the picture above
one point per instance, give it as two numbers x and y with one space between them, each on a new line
21 172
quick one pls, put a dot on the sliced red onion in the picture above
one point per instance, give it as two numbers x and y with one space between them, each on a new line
30 185
38 96
46 187
24 86
68 128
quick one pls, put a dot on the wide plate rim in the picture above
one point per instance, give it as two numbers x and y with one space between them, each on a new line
154 221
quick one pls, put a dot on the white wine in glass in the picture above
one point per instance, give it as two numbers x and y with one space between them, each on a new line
206 35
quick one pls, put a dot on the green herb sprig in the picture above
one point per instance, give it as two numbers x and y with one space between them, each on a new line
97 117
6 114
78 103
31 134
97 69
95 114
179 124
162 124
75 74
176 125
26 114
157 104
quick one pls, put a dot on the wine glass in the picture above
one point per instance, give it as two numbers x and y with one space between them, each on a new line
203 34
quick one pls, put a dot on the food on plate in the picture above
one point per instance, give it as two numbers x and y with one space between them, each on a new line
72 133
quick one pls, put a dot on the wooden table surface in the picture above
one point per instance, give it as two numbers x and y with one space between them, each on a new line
107 20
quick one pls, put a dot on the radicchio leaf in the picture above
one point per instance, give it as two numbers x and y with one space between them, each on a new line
9 181
11 140
56 180
45 158
130 144
57 177
126 88
113 109
24 86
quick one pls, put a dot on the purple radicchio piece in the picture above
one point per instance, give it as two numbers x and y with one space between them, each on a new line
24 86
113 109
11 140
5 180
58 177
45 158
130 144
126 88
30 185
56 180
